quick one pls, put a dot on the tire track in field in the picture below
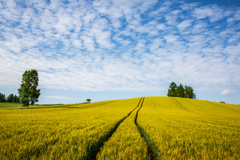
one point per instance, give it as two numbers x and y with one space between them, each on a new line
151 147
178 103
94 149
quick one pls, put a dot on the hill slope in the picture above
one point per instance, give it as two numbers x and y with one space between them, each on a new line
187 128
138 128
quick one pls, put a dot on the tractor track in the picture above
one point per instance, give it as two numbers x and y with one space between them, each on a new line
151 147
178 103
94 149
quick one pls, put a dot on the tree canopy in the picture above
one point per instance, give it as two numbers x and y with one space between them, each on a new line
172 90
180 91
28 91
189 92
88 100
2 97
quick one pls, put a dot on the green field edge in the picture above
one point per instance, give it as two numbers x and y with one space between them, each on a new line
95 148
17 106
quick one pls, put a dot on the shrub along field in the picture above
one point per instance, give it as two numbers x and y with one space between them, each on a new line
139 128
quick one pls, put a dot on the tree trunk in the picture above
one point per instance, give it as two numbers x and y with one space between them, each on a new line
27 106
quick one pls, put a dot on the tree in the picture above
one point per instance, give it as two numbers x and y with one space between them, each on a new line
189 92
88 100
16 99
180 92
2 97
28 91
10 98
172 90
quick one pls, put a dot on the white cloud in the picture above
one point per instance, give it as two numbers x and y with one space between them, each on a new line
213 12
60 97
184 24
226 92
189 6
171 38
161 27
88 42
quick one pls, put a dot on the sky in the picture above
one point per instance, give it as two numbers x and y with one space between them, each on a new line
117 49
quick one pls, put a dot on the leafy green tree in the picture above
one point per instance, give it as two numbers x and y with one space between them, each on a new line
180 92
28 91
189 92
16 99
2 97
88 100
172 90
10 98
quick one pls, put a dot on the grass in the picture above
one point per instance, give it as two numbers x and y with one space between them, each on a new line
139 128
9 105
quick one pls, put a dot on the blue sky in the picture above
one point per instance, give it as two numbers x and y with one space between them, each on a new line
118 49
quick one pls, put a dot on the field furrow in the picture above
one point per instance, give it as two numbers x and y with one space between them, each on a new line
151 147
126 142
95 148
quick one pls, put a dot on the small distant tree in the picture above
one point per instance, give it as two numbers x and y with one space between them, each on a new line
172 90
88 100
2 97
28 91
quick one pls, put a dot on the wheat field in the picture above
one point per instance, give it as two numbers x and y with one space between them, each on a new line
138 128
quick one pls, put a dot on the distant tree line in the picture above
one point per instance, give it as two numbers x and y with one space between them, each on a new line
180 91
10 98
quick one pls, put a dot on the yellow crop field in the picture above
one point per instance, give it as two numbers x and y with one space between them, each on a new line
138 128
59 133
181 128
126 142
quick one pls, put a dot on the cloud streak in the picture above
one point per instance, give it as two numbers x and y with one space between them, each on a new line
226 92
